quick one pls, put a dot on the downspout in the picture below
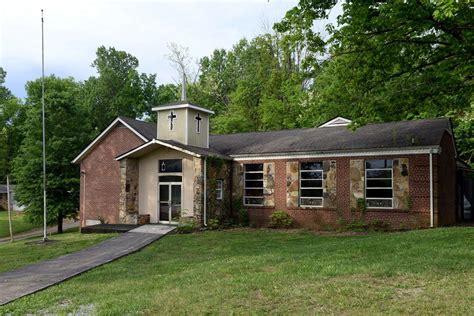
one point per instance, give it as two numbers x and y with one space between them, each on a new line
431 190
205 191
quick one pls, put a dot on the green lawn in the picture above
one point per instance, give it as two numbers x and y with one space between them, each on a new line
18 254
19 224
264 271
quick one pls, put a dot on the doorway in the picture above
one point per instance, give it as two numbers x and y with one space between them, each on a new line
170 202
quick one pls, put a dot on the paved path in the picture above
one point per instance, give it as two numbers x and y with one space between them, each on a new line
37 232
38 276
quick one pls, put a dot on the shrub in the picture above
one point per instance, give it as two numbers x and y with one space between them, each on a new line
379 225
280 219
213 224
186 225
244 217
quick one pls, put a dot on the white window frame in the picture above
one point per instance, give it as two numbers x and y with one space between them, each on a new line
316 188
378 188
245 185
219 189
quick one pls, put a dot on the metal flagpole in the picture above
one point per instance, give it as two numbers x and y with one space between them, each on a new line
45 237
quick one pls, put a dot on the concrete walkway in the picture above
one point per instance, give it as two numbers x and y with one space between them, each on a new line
37 232
38 276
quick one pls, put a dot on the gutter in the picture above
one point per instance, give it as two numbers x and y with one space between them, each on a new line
340 153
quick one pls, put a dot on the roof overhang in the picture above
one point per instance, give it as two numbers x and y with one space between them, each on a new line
105 132
347 153
182 106
152 145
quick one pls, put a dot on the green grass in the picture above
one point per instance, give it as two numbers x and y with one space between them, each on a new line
19 224
263 271
19 254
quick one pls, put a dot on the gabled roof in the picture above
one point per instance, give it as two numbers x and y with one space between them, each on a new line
416 135
337 121
391 135
142 129
181 105
156 143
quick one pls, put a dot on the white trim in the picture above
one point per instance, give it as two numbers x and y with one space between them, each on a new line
181 106
334 122
244 196
155 141
303 155
104 132
311 188
378 188
219 189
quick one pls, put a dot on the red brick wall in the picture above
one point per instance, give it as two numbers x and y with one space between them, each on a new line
101 182
319 218
447 181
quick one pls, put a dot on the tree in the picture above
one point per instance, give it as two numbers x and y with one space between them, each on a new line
11 117
257 85
389 60
67 131
119 88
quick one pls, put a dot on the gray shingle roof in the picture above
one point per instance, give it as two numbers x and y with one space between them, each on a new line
146 129
372 136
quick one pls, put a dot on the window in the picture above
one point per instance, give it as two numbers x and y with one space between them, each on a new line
170 165
253 184
311 184
219 188
378 183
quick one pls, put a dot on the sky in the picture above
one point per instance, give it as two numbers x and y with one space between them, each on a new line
75 28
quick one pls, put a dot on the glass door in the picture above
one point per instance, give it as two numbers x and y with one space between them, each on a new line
170 202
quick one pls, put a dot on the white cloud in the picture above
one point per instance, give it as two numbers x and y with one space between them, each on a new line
74 30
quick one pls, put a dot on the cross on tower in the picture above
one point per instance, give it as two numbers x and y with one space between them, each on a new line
171 118
198 122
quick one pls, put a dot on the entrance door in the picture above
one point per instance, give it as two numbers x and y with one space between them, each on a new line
170 202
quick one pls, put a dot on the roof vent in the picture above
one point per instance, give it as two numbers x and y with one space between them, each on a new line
338 121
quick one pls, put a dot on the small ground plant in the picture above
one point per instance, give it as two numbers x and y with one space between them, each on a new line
280 219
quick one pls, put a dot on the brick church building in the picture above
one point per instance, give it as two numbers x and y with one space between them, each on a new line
400 173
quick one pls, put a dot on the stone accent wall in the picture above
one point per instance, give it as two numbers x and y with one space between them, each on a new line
268 184
357 174
401 189
128 207
237 182
292 183
198 189
329 184
218 170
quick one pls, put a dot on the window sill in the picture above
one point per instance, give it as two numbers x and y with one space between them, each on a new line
387 209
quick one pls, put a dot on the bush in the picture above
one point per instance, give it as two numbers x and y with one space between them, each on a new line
280 219
213 224
379 225
186 225
244 217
